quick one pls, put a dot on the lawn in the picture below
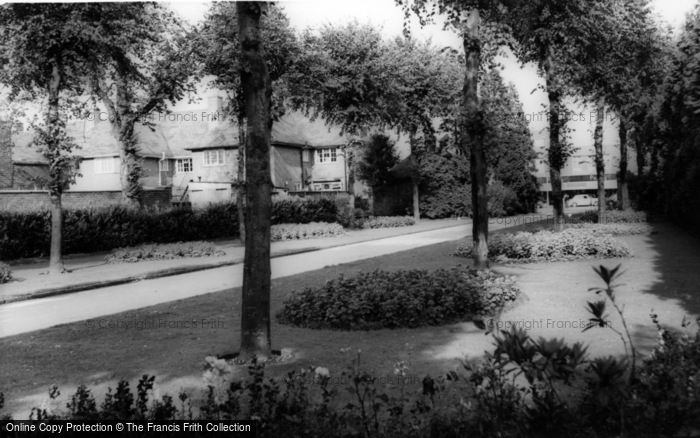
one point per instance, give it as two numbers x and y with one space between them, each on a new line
171 340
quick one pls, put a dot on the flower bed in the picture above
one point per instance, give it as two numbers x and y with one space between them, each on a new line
167 251
615 229
311 230
615 216
388 222
413 298
5 273
570 244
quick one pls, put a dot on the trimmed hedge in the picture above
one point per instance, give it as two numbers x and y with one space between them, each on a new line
311 230
163 251
27 233
570 244
412 298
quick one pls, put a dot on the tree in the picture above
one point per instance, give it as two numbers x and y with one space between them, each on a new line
218 48
257 93
547 33
147 66
351 77
44 49
377 160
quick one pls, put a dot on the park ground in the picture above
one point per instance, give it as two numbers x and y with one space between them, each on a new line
662 277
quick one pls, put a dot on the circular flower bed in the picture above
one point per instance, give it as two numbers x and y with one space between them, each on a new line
411 298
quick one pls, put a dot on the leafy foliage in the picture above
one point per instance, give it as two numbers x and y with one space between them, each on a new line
166 251
570 244
388 222
376 161
616 217
312 230
5 273
414 298
303 211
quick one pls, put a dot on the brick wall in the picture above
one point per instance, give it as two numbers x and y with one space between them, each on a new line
6 167
30 199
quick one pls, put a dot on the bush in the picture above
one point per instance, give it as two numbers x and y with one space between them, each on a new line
570 244
27 233
388 222
5 273
413 298
615 229
167 251
305 231
615 216
304 211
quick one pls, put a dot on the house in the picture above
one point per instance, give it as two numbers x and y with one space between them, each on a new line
189 155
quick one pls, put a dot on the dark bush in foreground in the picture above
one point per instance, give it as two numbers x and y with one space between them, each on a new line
570 244
414 298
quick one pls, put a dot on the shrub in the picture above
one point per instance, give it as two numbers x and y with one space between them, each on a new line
570 244
27 233
305 231
615 216
388 222
615 229
167 251
413 298
5 273
303 211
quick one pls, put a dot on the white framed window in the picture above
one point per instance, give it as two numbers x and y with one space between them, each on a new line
183 165
214 157
327 155
164 165
106 165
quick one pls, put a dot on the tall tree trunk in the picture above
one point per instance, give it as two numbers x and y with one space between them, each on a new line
257 91
240 178
599 158
473 140
622 188
414 176
556 150
350 169
56 189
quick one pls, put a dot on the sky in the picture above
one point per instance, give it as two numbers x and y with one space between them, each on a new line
387 15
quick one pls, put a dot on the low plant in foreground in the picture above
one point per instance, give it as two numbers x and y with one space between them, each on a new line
311 230
388 222
5 273
570 244
163 251
411 298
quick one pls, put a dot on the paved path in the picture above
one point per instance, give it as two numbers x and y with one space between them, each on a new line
30 315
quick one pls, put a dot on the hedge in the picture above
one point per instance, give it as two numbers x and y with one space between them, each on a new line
27 233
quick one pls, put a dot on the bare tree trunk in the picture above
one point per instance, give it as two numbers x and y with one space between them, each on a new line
623 194
555 152
599 159
473 140
257 90
240 183
56 190
414 176
350 163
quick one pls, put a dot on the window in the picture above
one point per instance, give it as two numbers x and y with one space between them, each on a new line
327 155
214 157
183 165
305 155
164 165
106 165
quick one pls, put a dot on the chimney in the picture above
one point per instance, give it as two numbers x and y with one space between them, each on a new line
215 109
6 167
